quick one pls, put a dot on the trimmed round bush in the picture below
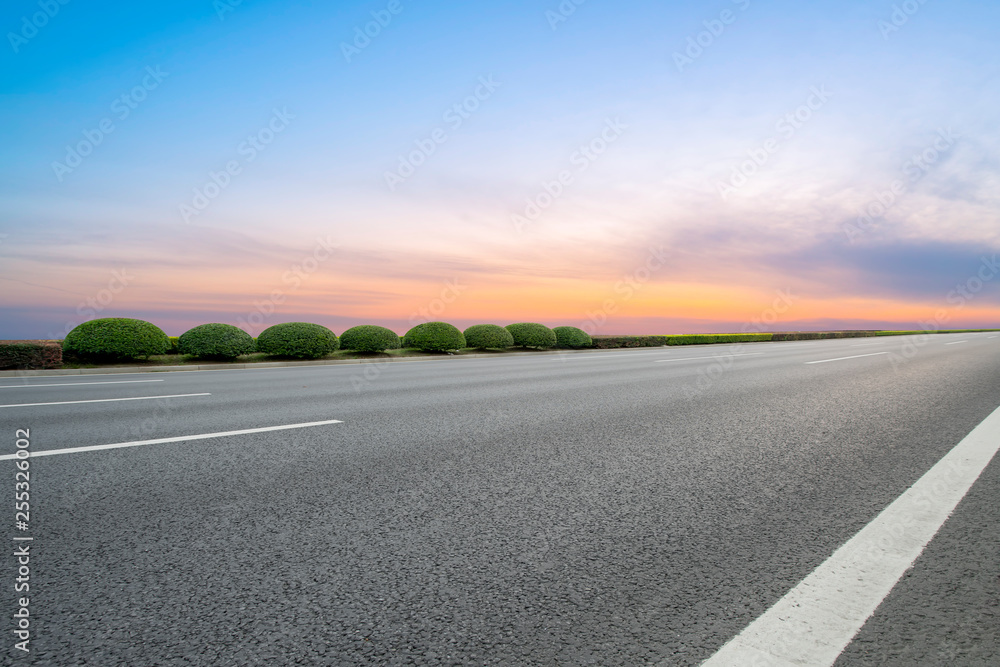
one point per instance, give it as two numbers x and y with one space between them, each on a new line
572 337
302 340
532 334
216 341
116 338
483 336
369 338
434 337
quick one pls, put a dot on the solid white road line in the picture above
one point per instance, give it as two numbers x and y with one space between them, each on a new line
957 342
100 400
74 384
183 438
856 356
818 618
714 356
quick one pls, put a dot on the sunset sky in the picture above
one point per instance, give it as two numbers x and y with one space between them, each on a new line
626 167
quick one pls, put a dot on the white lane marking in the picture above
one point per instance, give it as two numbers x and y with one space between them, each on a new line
881 342
158 441
714 356
856 356
816 620
991 336
957 342
99 400
74 384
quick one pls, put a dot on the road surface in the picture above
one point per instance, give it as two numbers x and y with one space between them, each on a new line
620 507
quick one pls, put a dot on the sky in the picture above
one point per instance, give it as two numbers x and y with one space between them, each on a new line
627 168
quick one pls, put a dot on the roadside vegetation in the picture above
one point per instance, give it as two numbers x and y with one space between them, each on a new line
118 341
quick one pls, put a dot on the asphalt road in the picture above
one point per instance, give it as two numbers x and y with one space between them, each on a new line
622 507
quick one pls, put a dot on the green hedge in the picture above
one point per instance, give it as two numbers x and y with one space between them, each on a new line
609 342
116 338
572 337
216 341
532 334
434 337
301 340
709 339
488 336
28 354
932 331
175 342
369 338
817 335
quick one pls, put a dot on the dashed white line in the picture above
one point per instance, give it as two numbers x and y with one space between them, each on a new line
158 441
957 342
813 623
75 384
99 400
856 356
881 342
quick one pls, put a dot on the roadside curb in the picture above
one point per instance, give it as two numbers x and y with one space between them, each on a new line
270 364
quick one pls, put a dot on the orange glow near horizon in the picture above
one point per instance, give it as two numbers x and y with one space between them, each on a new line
339 297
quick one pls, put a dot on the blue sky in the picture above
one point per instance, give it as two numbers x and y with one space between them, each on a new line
840 102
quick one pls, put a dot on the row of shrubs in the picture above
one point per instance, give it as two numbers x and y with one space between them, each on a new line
113 339
124 338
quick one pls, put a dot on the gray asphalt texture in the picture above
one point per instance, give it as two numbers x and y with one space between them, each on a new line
590 508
